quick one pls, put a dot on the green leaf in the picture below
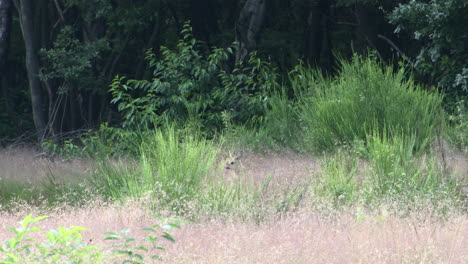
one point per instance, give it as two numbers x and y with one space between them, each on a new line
168 237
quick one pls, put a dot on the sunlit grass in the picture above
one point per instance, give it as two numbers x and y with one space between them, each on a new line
366 96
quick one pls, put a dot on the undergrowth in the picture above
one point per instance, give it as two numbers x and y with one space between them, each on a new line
66 244
371 124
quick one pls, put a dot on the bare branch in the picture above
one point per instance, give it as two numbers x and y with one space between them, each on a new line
402 54
59 10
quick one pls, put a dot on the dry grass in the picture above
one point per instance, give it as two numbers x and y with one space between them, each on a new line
309 238
23 164
303 237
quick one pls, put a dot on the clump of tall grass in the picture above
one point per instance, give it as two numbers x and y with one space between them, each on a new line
281 120
118 179
395 169
338 179
176 164
389 171
172 167
367 95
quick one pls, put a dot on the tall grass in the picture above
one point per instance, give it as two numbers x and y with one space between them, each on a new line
177 164
227 199
456 127
338 179
396 170
282 121
118 179
389 171
172 166
279 128
366 95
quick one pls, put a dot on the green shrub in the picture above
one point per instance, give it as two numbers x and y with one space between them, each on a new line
365 95
133 250
194 83
65 245
115 141
105 142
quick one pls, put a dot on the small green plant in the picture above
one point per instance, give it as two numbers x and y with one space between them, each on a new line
131 253
115 141
65 245
67 150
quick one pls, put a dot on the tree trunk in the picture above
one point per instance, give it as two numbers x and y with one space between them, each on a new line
24 8
317 40
313 35
94 30
248 27
5 31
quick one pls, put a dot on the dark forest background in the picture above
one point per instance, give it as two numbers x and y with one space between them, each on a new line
58 58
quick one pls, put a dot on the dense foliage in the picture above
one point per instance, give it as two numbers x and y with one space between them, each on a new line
440 26
72 50
192 84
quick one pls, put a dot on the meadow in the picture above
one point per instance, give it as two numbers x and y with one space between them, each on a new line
362 167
